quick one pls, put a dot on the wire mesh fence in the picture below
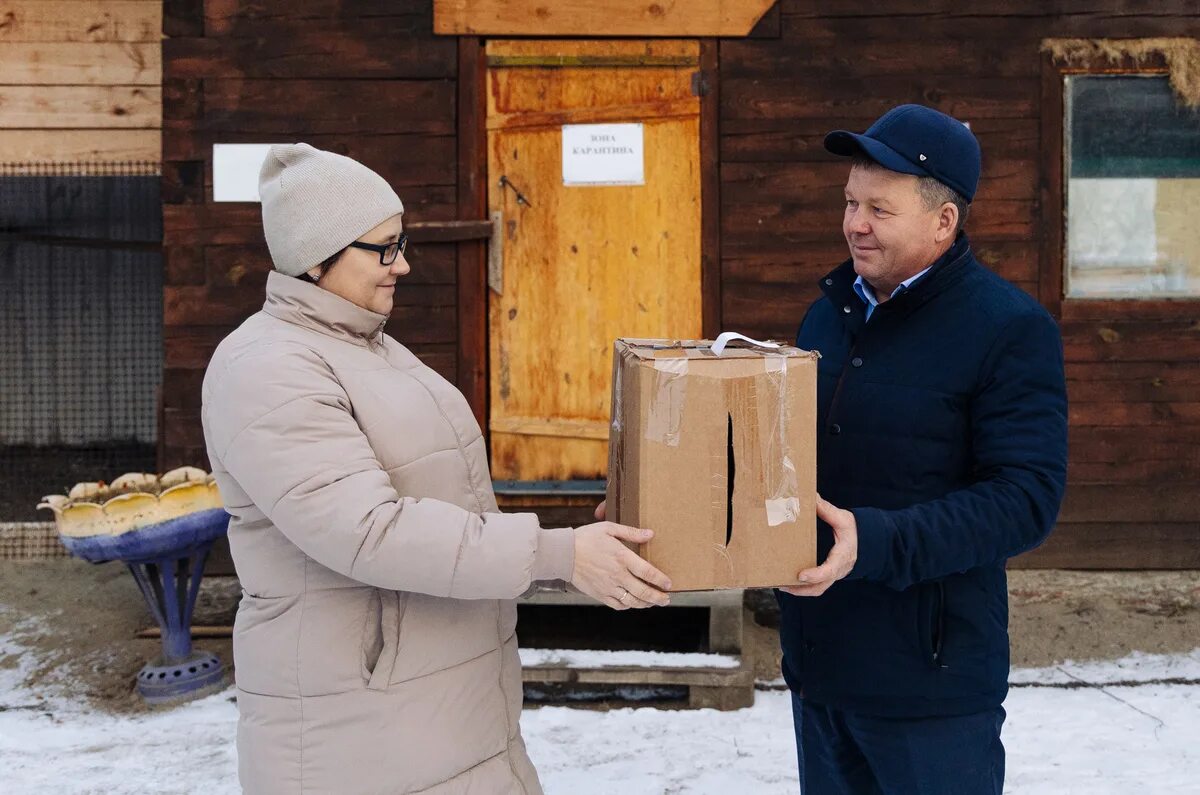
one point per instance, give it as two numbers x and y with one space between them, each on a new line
80 327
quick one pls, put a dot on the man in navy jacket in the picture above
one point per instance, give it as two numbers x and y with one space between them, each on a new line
942 452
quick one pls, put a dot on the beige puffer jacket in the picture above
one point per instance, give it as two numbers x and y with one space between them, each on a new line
374 645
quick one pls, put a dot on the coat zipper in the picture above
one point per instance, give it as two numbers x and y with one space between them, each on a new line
940 615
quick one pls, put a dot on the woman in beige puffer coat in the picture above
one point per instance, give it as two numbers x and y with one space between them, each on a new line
374 646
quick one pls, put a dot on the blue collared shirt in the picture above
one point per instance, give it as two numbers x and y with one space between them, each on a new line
867 293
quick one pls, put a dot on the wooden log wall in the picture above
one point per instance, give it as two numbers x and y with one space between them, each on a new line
365 78
1132 376
369 78
80 81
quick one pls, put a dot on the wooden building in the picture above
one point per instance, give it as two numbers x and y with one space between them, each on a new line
460 104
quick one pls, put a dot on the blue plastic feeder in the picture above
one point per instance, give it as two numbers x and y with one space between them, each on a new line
167 561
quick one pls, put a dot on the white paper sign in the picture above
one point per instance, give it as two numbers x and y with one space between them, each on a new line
235 171
603 154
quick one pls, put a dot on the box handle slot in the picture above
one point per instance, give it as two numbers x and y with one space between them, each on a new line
729 481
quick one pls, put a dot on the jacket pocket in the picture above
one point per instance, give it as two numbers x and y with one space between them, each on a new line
386 636
931 617
372 634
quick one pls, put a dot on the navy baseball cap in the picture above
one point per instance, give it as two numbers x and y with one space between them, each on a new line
914 139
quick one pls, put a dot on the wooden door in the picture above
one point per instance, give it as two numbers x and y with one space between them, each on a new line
583 265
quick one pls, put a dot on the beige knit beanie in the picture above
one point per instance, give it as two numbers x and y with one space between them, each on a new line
315 203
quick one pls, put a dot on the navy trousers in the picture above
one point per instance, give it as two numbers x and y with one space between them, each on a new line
843 753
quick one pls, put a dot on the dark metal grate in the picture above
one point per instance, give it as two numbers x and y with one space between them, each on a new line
80 327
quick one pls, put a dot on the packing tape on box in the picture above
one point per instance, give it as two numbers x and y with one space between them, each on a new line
782 484
666 409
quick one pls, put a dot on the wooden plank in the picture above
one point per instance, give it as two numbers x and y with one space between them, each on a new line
85 63
183 182
74 146
307 51
569 52
183 18
644 18
883 25
403 160
1170 503
828 59
281 107
211 224
260 18
1131 341
965 98
710 188
1133 473
922 11
448 231
554 427
472 353
183 265
1129 309
182 428
441 357
239 223
181 387
418 325
190 347
1117 545
247 266
813 217
1050 187
632 112
208 306
81 21
741 182
80 107
802 265
1133 382
182 100
1124 444
1127 414
625 675
776 140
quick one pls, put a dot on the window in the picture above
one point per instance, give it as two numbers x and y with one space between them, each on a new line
1132 173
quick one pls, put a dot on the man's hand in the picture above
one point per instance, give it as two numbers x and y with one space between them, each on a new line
601 512
816 581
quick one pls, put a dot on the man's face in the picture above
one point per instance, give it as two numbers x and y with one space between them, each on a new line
892 236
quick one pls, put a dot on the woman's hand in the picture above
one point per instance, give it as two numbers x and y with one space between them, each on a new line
612 573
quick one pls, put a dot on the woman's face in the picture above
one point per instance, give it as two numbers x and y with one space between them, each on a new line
358 276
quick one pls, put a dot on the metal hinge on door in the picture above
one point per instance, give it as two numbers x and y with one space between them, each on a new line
495 265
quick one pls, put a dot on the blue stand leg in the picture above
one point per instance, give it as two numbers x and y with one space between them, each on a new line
170 586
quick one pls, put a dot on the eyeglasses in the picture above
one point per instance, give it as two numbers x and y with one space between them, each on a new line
387 251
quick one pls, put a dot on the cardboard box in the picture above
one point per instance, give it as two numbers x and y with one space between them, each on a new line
716 455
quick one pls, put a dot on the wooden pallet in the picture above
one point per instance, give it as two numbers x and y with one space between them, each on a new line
714 688
708 688
724 612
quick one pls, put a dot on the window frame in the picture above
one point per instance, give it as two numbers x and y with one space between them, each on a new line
1053 198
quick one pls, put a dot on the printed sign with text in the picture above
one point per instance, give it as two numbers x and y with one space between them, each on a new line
603 154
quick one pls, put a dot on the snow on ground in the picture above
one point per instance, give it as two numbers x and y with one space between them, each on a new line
1063 737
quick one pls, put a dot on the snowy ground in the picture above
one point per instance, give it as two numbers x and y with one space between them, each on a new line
1118 727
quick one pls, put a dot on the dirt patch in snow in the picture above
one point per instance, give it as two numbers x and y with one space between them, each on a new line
75 626
1056 616
72 626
